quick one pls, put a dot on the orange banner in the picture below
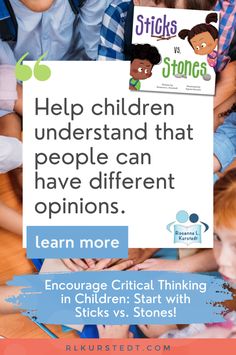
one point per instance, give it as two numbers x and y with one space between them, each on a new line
119 346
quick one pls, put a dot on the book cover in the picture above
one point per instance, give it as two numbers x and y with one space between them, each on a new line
174 50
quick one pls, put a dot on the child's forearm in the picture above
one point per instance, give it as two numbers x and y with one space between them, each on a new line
10 125
223 108
7 292
226 86
18 104
203 261
10 219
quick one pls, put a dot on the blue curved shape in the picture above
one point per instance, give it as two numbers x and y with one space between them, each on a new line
206 226
169 225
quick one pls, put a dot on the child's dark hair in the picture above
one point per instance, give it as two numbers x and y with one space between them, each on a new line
199 4
145 52
167 3
190 4
202 27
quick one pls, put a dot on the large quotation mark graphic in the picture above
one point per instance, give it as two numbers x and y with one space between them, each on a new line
41 71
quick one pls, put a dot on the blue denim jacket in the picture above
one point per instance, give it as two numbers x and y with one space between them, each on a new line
225 141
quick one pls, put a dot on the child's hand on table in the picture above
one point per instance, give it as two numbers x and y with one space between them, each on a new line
157 264
101 264
78 264
108 265
114 331
96 264
136 255
203 261
125 265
